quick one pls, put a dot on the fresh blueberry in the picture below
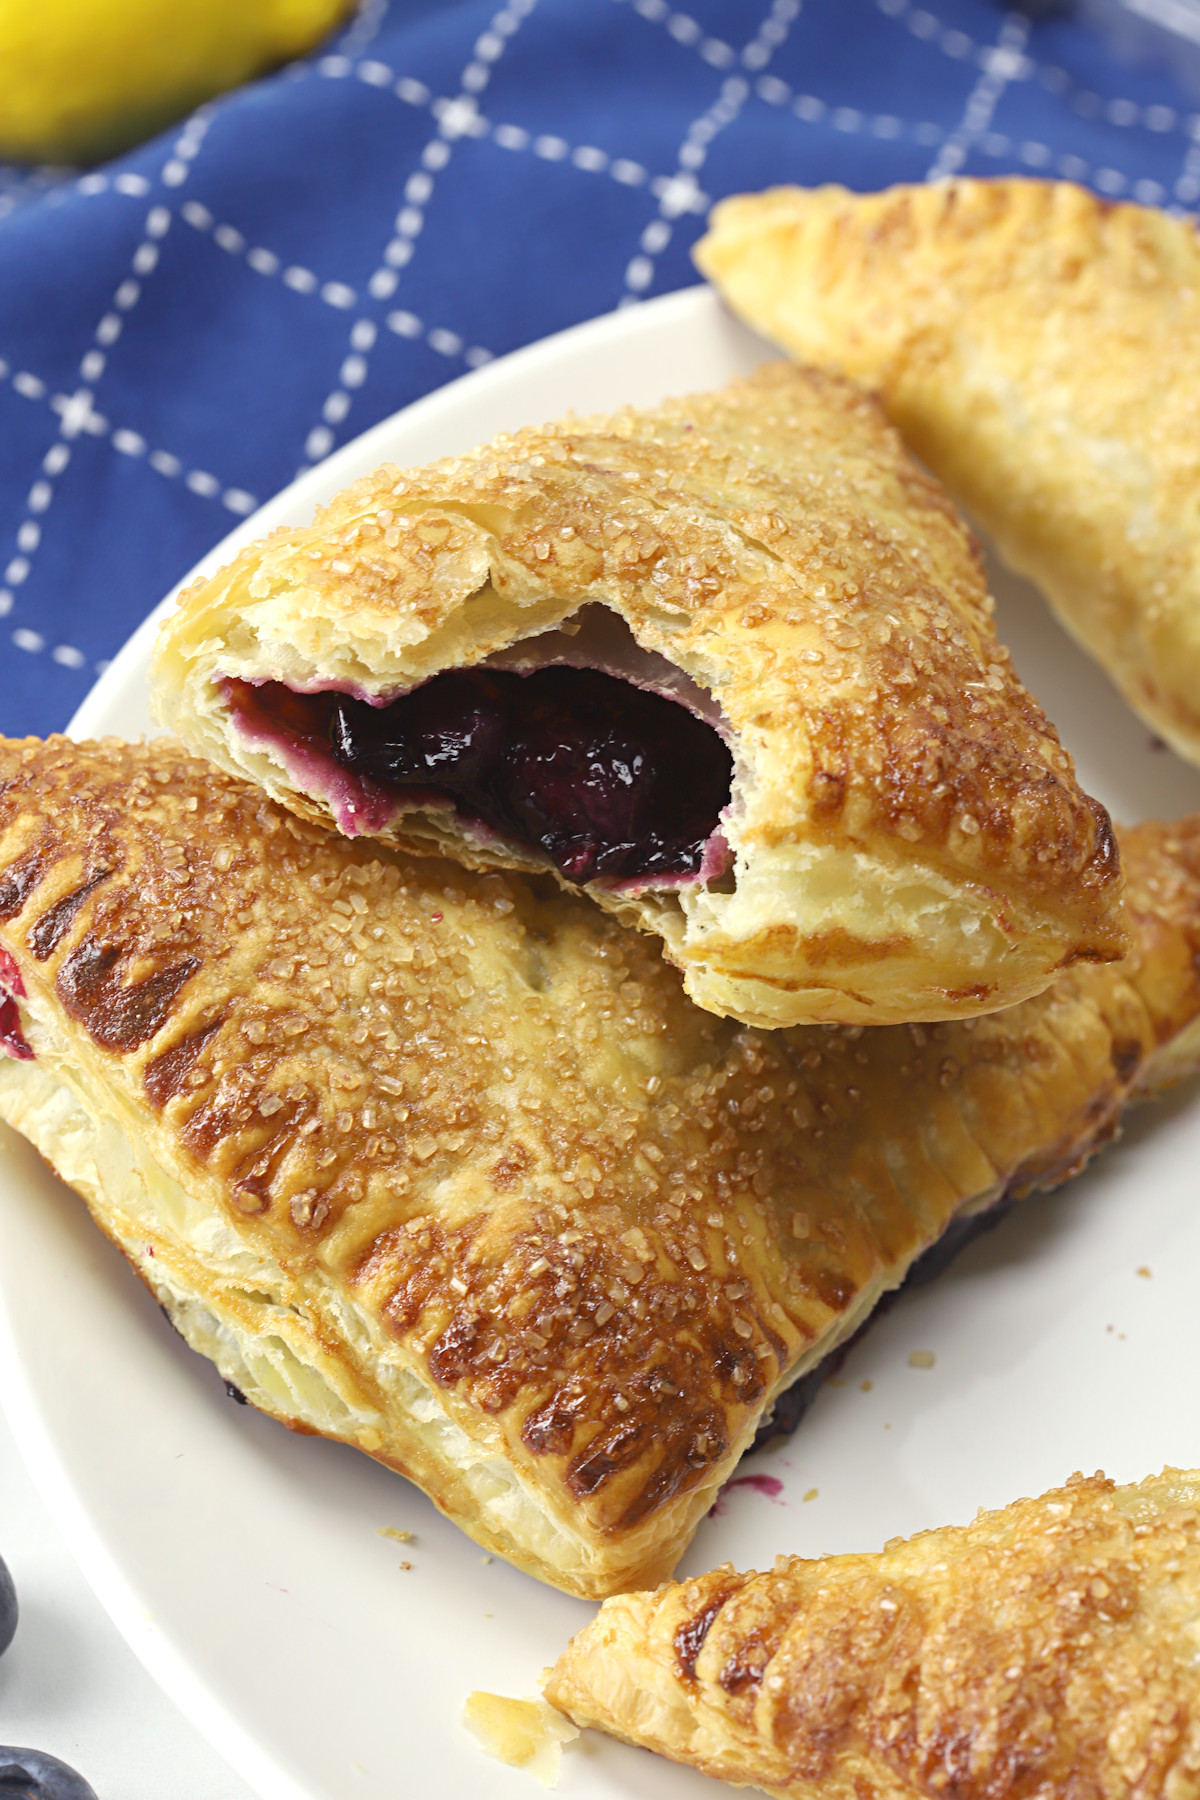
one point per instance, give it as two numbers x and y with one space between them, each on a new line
32 1775
8 1607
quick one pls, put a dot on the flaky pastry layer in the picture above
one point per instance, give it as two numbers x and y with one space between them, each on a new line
906 838
1040 349
1049 1649
447 1165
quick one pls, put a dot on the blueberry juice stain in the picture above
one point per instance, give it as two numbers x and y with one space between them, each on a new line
609 781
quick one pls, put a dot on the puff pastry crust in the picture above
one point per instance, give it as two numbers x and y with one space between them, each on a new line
446 1165
1040 349
904 839
1049 1648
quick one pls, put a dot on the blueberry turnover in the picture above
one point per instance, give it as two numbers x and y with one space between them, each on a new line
1039 347
728 665
445 1164
1048 1648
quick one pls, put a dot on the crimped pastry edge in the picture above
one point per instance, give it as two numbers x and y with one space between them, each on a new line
286 1375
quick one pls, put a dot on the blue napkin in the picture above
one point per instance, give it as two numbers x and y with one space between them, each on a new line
186 328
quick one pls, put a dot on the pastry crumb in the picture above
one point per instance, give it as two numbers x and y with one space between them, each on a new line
866 1385
526 1734
921 1359
406 1565
485 1559
1144 1271
399 1537
811 1494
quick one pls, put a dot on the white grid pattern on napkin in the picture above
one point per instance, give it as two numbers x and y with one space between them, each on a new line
457 118
679 196
76 414
681 193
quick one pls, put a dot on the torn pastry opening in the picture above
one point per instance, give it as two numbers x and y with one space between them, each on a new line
577 743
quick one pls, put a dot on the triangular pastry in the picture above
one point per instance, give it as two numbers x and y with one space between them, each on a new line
1047 1649
446 1165
1039 347
727 663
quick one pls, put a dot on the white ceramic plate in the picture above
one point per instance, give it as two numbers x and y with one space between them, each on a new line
246 1566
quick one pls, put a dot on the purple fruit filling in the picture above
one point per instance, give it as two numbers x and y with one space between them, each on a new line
609 781
10 976
12 1038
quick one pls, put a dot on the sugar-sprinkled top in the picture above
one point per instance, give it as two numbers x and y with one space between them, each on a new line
597 1216
1045 1648
775 540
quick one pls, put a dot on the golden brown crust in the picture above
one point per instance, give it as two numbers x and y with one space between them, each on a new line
1040 349
1046 1649
909 839
456 1150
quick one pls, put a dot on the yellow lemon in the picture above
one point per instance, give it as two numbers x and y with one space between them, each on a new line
82 79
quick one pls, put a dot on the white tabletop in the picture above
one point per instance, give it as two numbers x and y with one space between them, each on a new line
70 1685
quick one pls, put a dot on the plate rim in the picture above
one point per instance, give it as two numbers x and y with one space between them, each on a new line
100 1568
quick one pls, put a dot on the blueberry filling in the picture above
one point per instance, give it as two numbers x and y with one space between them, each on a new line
10 976
608 780
12 1038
